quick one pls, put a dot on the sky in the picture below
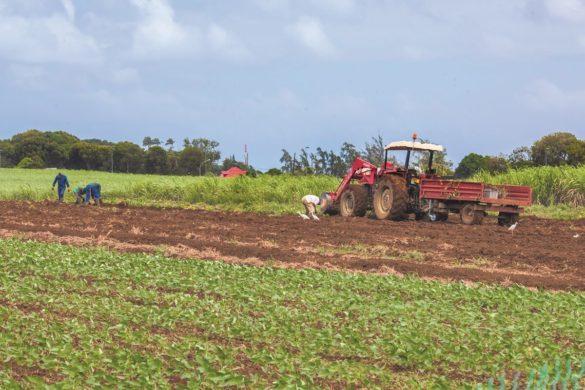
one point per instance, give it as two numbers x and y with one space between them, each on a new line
473 75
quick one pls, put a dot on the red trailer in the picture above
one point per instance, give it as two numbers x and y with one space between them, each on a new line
394 191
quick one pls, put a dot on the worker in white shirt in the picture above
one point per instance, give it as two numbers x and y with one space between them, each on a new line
310 202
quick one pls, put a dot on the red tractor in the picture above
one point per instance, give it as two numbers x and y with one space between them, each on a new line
394 191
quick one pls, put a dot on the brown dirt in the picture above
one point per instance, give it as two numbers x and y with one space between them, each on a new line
540 253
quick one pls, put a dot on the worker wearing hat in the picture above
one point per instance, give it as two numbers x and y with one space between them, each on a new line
90 191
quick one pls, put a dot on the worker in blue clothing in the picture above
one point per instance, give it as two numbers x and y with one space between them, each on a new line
62 184
90 191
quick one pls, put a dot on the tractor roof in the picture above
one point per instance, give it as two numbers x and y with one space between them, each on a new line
410 145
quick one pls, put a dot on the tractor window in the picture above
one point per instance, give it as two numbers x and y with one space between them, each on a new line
419 160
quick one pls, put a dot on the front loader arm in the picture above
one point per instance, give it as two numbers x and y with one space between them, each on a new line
361 170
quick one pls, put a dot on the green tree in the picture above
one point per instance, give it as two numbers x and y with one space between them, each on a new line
170 143
471 164
520 157
287 162
147 142
128 157
6 154
190 160
31 162
51 147
155 160
348 154
576 152
496 164
86 155
553 149
210 152
374 151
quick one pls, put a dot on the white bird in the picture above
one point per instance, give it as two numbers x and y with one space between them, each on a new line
576 235
303 216
513 227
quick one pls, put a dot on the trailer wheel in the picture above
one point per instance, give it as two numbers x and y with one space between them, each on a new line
354 201
391 198
507 219
470 216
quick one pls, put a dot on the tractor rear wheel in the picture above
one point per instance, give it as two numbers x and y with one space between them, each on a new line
354 201
391 198
471 216
507 219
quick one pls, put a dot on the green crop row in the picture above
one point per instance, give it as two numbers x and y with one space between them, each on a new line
79 318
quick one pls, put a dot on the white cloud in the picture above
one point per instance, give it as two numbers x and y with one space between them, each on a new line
571 10
158 33
52 38
309 32
225 44
546 96
69 8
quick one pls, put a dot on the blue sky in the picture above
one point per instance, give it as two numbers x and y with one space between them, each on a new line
475 76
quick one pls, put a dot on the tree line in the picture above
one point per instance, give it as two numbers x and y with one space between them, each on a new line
200 156
327 162
59 149
555 149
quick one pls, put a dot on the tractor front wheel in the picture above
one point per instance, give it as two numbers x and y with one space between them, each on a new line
471 216
354 201
391 198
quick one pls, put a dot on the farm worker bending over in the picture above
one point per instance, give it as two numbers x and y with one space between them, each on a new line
62 183
310 202
90 191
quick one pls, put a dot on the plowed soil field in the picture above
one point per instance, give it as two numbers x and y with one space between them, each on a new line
539 253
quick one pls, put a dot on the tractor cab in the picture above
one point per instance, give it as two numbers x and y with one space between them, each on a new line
417 154
408 170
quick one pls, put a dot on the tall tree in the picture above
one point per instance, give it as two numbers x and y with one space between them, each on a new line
471 164
553 149
348 154
287 161
147 142
190 160
520 157
576 152
210 152
374 150
155 160
128 157
170 143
